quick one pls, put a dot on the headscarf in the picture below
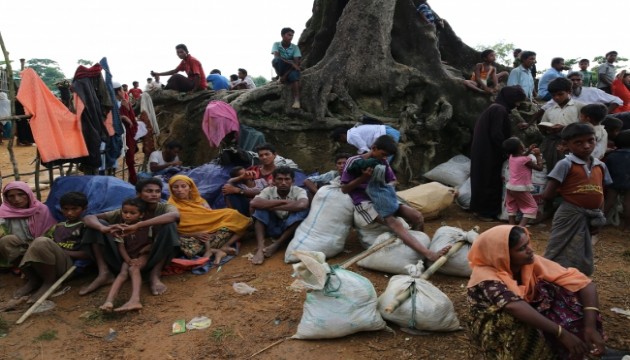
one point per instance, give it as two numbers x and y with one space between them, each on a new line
38 214
510 95
489 259
196 218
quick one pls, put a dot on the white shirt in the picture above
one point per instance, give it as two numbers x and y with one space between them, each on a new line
156 157
566 115
590 95
363 136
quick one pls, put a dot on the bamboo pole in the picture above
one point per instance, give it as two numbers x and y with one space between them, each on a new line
368 252
46 295
16 172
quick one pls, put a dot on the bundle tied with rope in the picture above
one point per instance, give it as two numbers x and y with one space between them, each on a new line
411 301
338 303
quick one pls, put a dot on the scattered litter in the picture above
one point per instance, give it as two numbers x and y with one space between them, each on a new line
199 323
248 256
111 335
243 288
277 322
61 292
179 326
620 311
44 306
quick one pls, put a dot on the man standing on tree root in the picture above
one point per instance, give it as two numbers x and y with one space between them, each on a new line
286 62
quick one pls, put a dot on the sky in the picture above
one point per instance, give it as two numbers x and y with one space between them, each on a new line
140 36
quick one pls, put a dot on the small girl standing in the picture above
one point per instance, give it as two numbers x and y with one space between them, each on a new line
518 194
134 250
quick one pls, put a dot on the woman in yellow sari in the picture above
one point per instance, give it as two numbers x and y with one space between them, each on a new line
203 230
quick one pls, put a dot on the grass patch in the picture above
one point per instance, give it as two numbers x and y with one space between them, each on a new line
96 317
47 335
221 333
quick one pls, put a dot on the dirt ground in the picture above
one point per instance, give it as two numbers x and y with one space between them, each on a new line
245 324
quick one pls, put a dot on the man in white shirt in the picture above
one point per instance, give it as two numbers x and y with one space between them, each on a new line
162 160
362 136
245 81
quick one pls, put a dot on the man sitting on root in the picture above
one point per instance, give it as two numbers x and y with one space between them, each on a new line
279 209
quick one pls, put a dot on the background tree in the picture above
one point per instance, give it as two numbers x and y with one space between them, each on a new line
48 70
85 62
503 50
260 80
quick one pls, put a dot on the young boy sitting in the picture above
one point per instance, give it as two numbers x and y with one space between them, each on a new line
485 78
134 249
356 186
286 62
279 209
618 162
594 114
50 256
579 178
313 183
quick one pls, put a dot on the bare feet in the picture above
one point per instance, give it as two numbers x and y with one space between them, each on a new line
107 307
258 258
131 305
157 288
30 286
228 250
433 256
271 249
39 293
101 280
218 256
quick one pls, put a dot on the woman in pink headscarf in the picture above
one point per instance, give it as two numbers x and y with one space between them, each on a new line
23 218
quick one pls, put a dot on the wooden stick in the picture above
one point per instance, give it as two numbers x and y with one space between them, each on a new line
15 117
398 300
11 83
442 260
267 347
368 252
46 295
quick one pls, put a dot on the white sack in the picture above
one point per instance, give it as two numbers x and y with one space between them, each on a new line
457 264
394 258
453 172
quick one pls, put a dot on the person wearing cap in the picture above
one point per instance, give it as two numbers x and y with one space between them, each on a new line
606 72
196 79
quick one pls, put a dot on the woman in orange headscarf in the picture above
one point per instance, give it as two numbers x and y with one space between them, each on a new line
204 230
525 306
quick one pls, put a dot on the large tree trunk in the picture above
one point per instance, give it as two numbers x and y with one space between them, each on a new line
370 57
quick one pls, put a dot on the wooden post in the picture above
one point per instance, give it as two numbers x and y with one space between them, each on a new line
16 172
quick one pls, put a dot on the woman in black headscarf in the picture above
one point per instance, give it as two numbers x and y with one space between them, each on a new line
487 155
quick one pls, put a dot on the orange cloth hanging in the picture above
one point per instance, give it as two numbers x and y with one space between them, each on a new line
56 130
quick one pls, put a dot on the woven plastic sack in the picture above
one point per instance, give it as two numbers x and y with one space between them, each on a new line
453 172
341 302
430 199
327 225
395 257
457 264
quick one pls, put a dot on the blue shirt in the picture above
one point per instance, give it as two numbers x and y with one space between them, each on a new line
219 82
544 81
523 77
293 51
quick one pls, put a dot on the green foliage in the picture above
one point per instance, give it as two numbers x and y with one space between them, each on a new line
47 335
502 49
85 62
571 62
48 70
260 80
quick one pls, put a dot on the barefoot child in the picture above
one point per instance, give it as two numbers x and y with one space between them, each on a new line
357 185
485 79
579 179
518 194
50 256
134 250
